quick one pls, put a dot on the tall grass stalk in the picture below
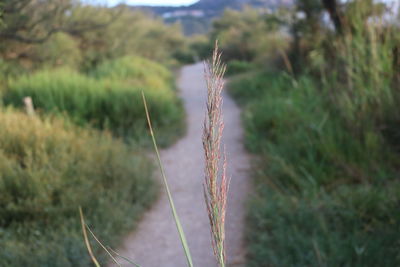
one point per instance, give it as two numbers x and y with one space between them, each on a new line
171 202
216 182
107 250
85 236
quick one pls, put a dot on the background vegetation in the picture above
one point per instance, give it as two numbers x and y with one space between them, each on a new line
321 110
48 169
110 98
318 82
84 68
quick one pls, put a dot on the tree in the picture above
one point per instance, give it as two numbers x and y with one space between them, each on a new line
34 21
332 7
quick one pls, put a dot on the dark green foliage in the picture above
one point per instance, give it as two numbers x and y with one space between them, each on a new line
248 86
350 226
237 66
111 99
48 169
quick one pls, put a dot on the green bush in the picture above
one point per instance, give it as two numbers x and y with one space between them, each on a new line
48 168
137 72
320 188
250 35
249 86
237 66
59 50
111 99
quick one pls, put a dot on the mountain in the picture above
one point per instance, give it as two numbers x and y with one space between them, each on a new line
197 18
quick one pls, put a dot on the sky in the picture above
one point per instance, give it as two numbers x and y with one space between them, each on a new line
145 2
394 3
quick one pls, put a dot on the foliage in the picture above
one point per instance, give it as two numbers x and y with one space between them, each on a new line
326 134
28 21
146 36
248 35
352 226
59 50
136 71
42 34
49 168
320 184
237 66
200 46
110 100
27 24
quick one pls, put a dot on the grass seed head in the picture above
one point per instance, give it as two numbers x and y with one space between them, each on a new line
215 183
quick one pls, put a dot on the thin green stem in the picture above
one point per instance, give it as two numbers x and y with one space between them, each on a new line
171 202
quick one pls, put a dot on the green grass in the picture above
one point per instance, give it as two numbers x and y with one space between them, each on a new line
355 225
325 195
136 71
48 168
110 98
235 67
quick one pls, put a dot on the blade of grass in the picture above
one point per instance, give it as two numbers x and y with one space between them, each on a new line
89 248
171 202
123 257
98 241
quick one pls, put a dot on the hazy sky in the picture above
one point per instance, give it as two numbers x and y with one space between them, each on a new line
144 2
175 2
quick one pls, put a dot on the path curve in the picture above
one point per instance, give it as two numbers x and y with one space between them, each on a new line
155 242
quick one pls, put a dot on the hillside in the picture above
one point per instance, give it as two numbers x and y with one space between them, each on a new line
196 18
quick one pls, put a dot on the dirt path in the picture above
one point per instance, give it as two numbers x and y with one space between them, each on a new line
155 242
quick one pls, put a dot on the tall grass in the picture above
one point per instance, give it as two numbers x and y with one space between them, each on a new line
48 168
327 139
360 77
110 100
324 196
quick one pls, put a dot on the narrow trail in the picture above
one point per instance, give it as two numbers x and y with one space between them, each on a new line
156 242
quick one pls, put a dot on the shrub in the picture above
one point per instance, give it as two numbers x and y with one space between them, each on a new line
111 99
59 50
249 86
136 71
250 35
237 66
48 168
